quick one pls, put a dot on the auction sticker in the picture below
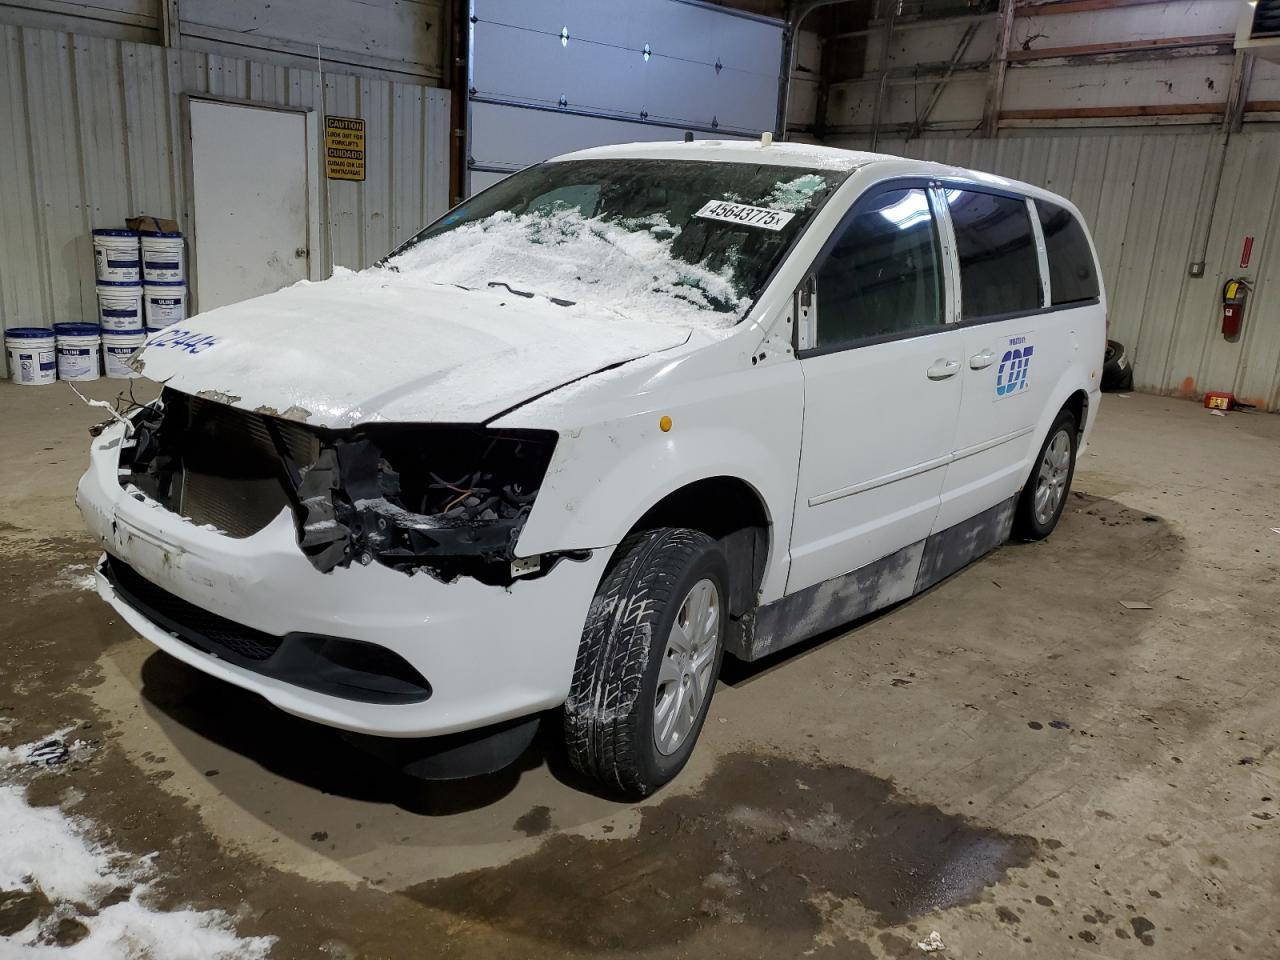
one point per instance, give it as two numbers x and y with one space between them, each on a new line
761 217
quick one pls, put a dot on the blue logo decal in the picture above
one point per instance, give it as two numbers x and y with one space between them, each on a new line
1011 376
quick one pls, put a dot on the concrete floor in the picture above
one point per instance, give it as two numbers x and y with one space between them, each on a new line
1014 759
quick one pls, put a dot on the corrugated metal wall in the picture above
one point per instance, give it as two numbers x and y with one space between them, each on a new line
93 134
1139 193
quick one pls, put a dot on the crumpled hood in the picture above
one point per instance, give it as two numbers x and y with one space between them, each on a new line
378 345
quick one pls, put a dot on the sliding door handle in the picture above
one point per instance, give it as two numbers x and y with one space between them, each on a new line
942 369
980 361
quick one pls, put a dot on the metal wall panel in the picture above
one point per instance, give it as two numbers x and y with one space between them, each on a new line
396 39
95 134
400 35
1139 194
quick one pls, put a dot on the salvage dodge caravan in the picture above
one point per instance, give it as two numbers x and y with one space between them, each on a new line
610 419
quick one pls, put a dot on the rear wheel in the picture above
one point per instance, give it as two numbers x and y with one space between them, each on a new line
648 660
1043 498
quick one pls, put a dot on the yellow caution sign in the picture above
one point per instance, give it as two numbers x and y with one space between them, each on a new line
344 148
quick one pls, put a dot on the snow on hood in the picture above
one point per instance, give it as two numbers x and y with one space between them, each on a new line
381 345
630 270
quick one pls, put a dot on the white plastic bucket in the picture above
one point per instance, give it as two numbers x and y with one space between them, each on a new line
162 257
117 348
78 345
115 256
32 357
164 303
120 307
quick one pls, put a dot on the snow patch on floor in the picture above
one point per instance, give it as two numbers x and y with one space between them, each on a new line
44 849
40 847
76 576
47 753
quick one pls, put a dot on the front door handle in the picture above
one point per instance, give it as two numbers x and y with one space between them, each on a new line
942 369
980 361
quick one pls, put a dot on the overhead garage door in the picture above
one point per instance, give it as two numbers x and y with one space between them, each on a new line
548 76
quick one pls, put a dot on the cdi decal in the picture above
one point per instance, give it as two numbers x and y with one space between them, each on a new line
1011 376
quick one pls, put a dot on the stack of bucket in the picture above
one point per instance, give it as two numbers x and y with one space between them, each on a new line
141 277
141 287
164 278
69 351
117 263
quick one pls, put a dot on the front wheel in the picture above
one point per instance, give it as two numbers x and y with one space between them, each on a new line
648 661
1042 499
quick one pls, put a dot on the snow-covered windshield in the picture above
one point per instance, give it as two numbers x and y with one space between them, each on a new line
690 241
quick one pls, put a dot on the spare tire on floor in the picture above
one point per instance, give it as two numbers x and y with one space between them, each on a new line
1117 374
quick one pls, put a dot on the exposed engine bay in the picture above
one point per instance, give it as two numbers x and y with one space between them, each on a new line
447 500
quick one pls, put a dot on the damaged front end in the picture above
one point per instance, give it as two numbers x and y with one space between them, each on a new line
447 500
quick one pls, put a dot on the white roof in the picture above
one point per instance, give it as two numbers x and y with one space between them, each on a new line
795 155
733 151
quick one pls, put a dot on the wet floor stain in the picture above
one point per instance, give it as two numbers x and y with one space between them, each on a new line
809 837
534 823
1142 928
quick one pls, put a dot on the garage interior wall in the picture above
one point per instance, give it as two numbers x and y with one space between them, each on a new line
1139 192
1121 105
94 135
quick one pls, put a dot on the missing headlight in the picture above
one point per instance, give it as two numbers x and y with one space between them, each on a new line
445 500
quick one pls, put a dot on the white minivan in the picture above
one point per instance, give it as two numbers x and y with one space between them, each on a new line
617 415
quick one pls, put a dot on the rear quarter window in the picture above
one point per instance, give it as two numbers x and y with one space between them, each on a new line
1073 275
999 266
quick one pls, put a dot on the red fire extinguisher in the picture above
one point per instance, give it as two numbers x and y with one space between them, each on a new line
1234 294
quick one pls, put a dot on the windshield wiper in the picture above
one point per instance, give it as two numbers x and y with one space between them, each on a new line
529 295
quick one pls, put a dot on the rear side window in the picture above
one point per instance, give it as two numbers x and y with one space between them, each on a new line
999 268
1073 275
882 277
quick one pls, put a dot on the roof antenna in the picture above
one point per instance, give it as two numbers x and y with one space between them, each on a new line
766 139
688 136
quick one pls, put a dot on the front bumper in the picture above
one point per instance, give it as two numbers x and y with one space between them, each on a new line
490 653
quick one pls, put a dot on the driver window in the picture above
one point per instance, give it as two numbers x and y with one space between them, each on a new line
883 276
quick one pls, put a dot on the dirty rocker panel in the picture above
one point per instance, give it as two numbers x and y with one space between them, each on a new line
877 585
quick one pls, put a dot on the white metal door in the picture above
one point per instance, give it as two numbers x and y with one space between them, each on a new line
881 390
1009 365
878 432
252 199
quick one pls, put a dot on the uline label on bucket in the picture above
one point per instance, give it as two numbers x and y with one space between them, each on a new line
118 349
162 257
120 308
32 356
115 256
165 304
77 346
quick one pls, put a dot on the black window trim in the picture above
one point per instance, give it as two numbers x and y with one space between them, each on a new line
820 258
1097 267
943 183
925 183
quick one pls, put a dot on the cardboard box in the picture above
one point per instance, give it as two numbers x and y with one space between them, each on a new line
159 224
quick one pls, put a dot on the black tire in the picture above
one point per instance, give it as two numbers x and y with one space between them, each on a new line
1026 525
609 714
1117 372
